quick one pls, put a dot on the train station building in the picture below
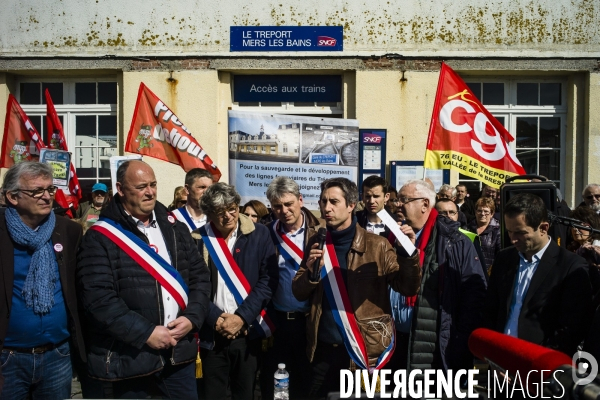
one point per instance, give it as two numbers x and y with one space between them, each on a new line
535 65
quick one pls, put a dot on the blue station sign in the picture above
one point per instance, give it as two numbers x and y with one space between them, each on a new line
286 38
320 88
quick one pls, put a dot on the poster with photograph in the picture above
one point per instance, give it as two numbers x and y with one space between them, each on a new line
306 149
60 161
115 162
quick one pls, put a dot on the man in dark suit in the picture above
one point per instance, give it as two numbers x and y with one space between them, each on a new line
538 291
39 324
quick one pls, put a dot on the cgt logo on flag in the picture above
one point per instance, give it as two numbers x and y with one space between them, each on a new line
326 41
465 136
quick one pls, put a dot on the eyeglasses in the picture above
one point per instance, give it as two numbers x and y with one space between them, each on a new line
593 196
448 213
396 200
103 194
406 200
39 193
232 211
482 212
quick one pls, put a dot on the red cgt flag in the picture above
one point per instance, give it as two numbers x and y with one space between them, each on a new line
21 141
157 132
56 140
463 135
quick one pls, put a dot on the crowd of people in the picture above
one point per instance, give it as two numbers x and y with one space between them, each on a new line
204 298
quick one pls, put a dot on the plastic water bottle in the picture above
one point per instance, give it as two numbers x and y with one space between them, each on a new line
282 383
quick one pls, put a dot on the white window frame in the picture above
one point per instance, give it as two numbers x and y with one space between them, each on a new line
511 111
69 111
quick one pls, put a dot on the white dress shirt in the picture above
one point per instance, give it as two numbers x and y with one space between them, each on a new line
224 298
157 242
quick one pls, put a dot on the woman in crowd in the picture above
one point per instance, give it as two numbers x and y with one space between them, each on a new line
587 244
487 228
255 210
179 198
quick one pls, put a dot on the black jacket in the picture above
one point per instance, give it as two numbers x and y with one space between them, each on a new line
254 254
556 307
444 317
67 233
361 219
123 302
490 240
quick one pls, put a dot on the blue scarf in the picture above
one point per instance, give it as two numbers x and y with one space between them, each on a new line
38 290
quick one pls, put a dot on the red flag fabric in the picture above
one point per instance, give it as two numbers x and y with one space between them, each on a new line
21 141
56 140
157 132
463 135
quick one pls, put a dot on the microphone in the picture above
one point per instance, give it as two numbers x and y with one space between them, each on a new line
322 236
516 355
571 222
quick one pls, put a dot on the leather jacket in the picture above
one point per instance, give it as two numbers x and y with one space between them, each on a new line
369 274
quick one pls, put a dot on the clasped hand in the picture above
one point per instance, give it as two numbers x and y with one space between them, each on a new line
164 337
230 326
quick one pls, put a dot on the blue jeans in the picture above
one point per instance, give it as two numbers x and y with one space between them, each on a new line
47 375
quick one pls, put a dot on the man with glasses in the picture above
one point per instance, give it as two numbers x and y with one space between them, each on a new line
144 289
39 320
197 180
89 211
434 326
449 192
243 268
591 197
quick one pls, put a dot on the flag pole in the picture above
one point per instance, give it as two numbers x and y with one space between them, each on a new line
433 117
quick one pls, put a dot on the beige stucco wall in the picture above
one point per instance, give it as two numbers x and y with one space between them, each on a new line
402 107
193 98
591 171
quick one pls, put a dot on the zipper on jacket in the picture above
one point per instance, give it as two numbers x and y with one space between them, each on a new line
158 297
108 354
173 356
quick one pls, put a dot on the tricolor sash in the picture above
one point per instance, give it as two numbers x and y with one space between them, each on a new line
146 257
287 248
343 314
232 274
182 215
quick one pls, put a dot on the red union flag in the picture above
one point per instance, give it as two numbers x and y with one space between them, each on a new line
21 141
463 135
157 132
56 140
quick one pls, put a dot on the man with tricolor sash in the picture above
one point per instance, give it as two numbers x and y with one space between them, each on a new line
243 269
433 328
144 289
197 180
350 323
290 231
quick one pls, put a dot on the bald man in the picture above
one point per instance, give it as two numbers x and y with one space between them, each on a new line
145 291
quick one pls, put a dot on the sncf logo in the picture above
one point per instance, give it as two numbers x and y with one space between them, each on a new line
372 139
326 41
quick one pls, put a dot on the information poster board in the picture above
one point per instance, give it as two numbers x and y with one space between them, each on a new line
372 154
60 161
306 149
115 162
403 171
